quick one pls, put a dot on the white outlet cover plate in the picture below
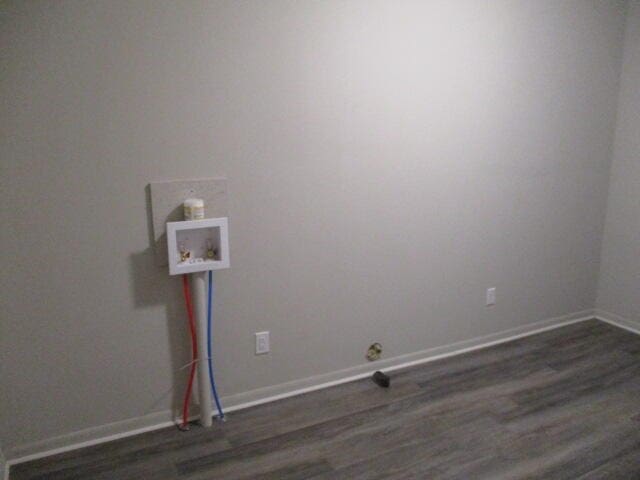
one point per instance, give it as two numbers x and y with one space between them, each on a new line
491 296
195 235
262 343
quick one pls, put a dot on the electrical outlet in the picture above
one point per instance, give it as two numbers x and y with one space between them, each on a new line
491 296
262 343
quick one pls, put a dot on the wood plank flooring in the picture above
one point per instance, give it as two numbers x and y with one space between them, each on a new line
564 404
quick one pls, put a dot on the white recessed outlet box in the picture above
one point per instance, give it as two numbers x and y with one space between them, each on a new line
198 245
262 343
491 296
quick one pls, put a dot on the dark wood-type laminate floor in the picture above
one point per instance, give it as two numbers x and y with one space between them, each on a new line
564 404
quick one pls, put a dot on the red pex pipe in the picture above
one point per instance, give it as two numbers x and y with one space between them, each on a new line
194 352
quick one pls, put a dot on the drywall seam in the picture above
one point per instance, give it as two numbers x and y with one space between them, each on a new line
155 421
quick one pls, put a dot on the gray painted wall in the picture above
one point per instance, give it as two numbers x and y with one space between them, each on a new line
619 286
387 162
3 465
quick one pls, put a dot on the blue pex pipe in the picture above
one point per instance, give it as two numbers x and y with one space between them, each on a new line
209 340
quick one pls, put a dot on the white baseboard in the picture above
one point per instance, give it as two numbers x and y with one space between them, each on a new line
618 321
298 387
155 421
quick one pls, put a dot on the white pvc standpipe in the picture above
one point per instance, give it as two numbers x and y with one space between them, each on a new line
199 284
